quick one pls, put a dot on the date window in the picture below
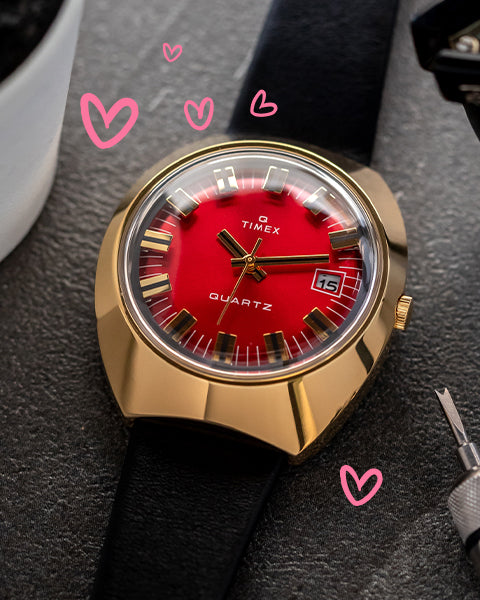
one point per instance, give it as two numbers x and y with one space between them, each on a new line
328 282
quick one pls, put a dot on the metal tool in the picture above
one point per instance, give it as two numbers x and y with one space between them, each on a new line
464 499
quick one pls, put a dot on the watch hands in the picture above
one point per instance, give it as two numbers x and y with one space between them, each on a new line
249 266
299 259
231 244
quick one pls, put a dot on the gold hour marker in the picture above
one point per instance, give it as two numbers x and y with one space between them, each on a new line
158 284
315 202
224 347
321 325
275 345
156 240
184 203
275 180
345 238
226 180
180 324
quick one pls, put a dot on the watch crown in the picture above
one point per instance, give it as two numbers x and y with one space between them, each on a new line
403 312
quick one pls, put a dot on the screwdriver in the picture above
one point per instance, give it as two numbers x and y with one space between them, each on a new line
464 499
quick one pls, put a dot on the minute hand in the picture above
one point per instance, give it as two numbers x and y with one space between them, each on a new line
299 259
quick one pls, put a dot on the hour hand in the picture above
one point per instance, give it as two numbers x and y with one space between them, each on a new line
231 244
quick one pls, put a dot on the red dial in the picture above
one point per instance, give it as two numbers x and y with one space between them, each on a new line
250 261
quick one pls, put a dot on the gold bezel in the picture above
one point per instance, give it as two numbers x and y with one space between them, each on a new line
289 411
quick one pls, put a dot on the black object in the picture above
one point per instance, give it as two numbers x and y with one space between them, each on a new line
23 23
324 64
186 504
437 35
473 113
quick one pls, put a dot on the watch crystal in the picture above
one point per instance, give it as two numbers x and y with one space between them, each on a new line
250 261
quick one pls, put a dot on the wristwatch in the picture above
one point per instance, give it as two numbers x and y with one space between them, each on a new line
246 293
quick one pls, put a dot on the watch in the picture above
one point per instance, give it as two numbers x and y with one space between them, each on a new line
246 293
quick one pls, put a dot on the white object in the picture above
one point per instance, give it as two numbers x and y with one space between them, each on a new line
32 104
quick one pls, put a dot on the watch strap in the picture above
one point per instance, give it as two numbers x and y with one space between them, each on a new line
185 507
473 114
323 63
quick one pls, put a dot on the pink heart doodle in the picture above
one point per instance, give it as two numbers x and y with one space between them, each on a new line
360 483
107 118
273 107
168 52
200 111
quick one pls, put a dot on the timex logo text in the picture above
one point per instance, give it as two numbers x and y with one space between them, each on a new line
242 301
261 225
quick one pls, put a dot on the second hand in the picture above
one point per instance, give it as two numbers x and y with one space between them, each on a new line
248 264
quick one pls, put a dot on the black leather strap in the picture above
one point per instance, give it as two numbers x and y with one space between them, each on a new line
323 63
185 507
473 113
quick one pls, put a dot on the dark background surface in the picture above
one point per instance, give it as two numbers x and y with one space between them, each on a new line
62 437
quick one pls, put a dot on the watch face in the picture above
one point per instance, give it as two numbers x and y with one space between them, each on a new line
250 262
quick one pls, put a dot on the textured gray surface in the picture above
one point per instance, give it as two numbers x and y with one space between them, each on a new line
62 437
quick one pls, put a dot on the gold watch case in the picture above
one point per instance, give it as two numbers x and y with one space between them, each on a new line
296 413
